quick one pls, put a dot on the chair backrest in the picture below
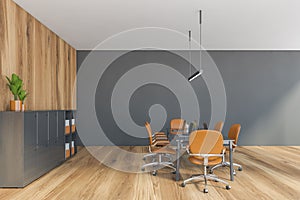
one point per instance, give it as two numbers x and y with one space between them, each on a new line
177 126
234 132
219 126
206 142
149 130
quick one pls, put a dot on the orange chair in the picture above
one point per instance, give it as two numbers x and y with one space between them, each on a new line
206 149
177 126
157 136
233 134
158 148
219 126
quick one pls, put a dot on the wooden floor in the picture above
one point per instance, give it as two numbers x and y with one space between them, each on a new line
268 173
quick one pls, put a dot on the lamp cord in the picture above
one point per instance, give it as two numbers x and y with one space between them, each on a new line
190 54
200 39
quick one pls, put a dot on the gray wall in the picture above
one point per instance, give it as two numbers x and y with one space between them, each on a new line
262 88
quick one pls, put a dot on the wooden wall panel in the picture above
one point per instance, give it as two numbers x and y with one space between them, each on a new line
3 59
62 94
53 71
73 82
66 67
45 62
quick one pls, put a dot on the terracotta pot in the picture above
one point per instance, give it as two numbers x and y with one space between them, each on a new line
15 105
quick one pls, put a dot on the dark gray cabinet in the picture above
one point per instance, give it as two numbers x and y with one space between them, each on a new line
56 148
30 147
31 144
43 142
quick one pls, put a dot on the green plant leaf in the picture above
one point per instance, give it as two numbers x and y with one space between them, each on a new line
22 95
9 81
14 89
14 78
18 83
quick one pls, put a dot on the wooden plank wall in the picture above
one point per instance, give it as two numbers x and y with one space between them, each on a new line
45 62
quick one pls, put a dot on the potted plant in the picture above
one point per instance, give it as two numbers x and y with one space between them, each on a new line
194 125
15 85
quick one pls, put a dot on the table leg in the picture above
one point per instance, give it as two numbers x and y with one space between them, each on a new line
177 177
231 161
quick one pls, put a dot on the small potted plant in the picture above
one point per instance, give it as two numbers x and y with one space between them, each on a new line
194 125
15 85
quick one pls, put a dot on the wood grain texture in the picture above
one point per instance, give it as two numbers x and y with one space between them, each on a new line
45 62
268 173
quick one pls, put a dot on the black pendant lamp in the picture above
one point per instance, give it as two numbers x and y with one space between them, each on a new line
200 71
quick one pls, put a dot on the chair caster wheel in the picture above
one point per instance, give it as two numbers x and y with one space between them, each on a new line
183 184
228 187
216 181
210 171
154 173
143 169
144 158
205 190
240 169
174 172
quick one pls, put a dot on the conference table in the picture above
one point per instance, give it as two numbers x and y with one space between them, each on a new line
182 139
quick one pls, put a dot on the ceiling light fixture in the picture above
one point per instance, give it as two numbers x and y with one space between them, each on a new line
198 73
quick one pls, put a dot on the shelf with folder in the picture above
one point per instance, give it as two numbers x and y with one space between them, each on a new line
70 134
73 126
67 150
67 127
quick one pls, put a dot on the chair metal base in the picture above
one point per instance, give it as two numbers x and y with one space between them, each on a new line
226 164
159 162
155 154
205 177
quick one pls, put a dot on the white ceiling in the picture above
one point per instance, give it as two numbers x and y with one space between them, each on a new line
227 24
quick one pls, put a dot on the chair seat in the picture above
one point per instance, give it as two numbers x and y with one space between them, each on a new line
163 150
161 136
160 133
200 161
160 139
161 143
